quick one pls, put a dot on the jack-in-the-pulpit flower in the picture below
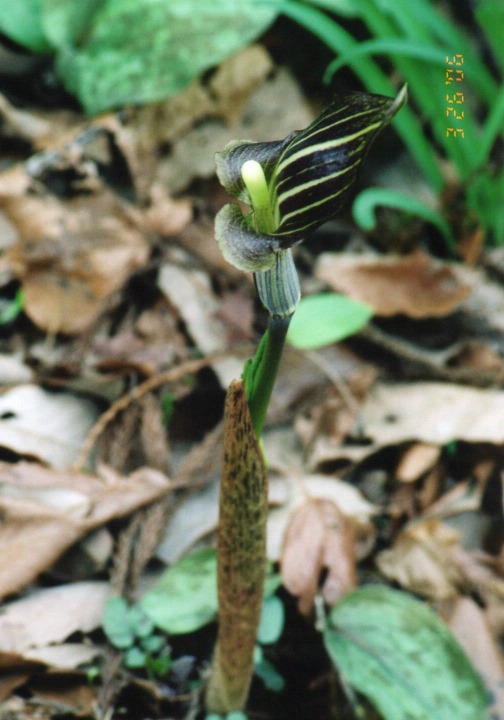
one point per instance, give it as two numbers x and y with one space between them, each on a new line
308 177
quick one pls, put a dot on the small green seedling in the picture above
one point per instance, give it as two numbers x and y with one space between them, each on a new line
130 629
271 625
168 407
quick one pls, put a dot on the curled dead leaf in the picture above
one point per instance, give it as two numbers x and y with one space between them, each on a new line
318 539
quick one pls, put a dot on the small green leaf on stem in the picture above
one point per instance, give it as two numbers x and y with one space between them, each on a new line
326 318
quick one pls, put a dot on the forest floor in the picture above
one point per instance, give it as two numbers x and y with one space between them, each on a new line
122 327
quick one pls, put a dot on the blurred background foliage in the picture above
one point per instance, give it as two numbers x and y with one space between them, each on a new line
109 53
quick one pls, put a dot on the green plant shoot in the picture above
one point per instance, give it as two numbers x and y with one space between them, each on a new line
292 186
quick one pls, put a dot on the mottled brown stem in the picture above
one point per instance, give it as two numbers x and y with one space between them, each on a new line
241 553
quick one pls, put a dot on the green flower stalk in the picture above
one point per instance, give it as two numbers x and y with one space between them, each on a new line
292 186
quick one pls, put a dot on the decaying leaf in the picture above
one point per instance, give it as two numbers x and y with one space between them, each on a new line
293 492
414 285
50 510
319 539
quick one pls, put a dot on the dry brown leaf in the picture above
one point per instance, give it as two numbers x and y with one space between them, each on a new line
432 412
195 517
14 371
50 510
48 426
72 257
318 539
191 293
164 216
414 285
35 627
274 110
416 460
468 623
421 561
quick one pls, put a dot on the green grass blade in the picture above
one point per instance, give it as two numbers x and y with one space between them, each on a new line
421 19
389 46
368 200
426 83
490 15
492 128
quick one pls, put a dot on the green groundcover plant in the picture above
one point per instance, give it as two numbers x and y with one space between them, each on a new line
115 52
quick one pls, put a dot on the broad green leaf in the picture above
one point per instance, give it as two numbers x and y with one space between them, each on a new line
396 652
272 620
185 598
138 51
326 318
21 21
140 623
65 22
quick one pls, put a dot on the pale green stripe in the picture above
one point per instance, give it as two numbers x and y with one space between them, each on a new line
305 186
323 146
307 208
334 122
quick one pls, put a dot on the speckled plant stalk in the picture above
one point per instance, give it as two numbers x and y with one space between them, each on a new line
241 552
243 504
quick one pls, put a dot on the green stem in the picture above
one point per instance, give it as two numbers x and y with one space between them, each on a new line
279 291
264 369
